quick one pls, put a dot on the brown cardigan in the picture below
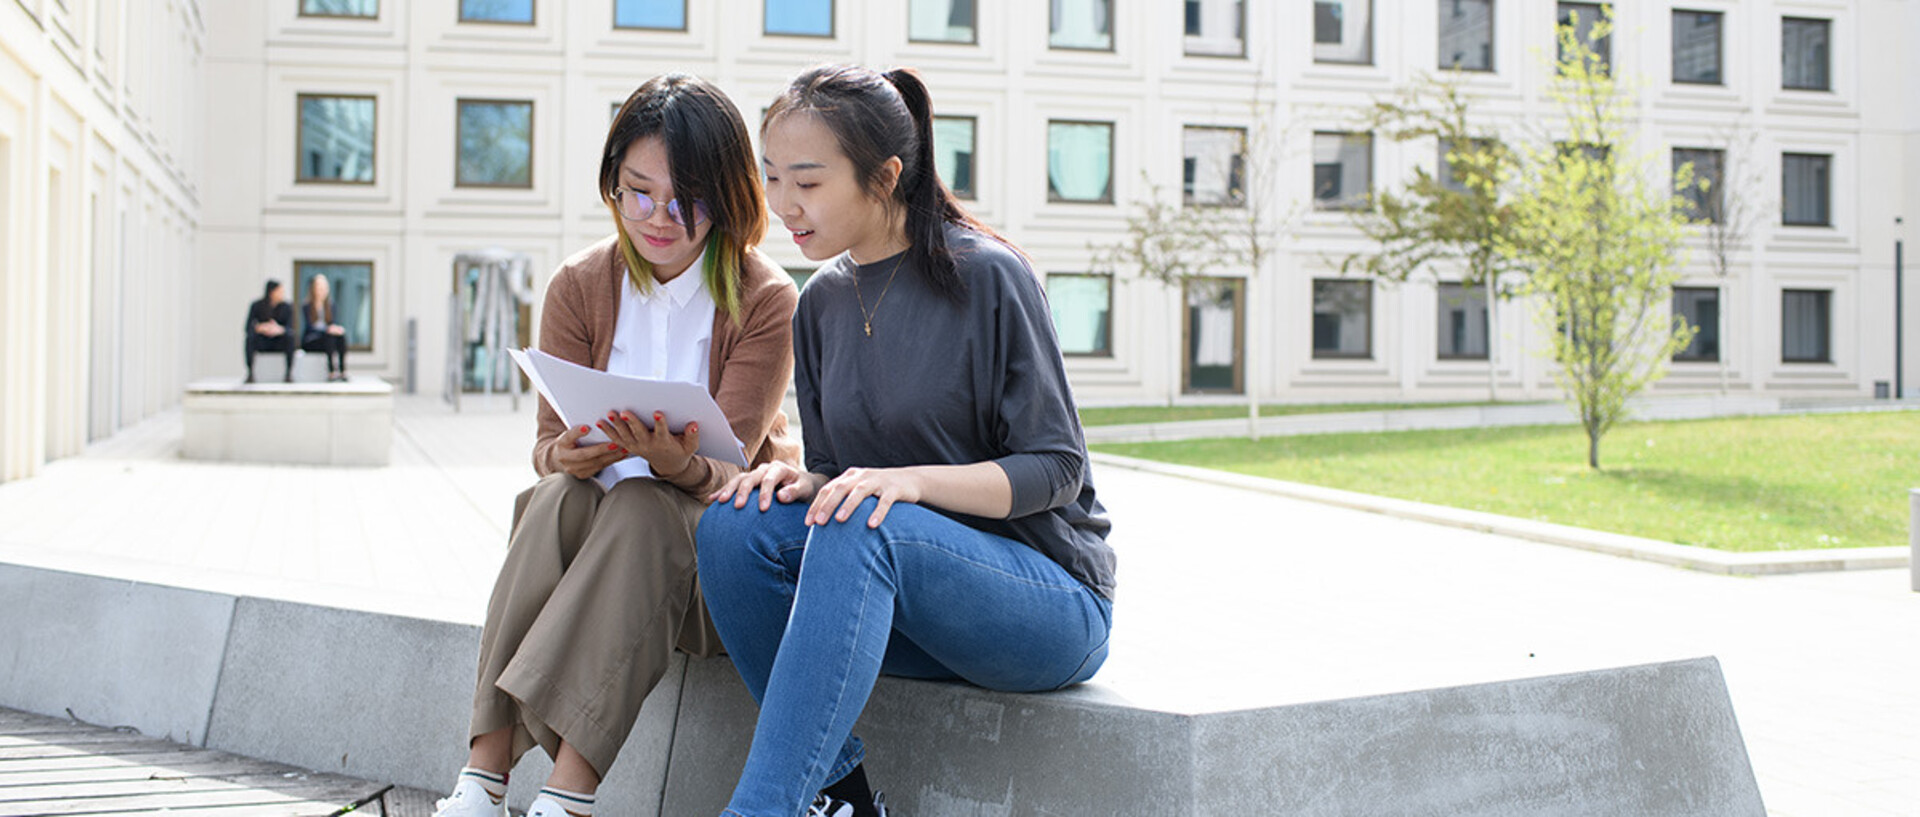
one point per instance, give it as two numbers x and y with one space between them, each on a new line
750 362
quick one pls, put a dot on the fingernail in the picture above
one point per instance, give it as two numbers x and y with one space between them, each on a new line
612 447
693 426
583 429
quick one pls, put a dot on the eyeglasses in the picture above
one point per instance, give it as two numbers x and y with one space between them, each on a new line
639 207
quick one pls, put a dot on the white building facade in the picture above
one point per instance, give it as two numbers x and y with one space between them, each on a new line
374 140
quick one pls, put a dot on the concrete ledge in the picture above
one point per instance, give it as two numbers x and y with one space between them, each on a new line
348 423
1615 544
386 697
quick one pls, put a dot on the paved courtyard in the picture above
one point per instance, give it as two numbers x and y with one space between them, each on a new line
1311 602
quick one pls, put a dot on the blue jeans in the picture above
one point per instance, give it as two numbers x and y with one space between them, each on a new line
812 616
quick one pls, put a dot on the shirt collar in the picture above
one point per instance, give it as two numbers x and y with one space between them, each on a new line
681 289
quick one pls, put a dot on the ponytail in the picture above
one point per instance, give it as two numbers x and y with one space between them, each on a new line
928 202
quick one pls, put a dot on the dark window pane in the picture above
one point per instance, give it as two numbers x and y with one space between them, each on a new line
670 15
340 8
1462 322
953 146
350 288
1805 327
1805 189
1081 24
1805 54
1700 308
336 139
495 144
1466 34
1342 318
800 18
1080 161
941 21
1696 47
1587 16
1215 335
497 11
1082 307
1704 196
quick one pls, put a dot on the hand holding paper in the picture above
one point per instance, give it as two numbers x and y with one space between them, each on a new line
585 396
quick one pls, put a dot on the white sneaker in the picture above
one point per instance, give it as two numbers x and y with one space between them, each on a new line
544 806
469 799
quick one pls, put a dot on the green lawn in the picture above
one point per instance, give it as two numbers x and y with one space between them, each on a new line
1737 484
1127 415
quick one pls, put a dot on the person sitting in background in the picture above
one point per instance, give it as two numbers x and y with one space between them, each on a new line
268 320
321 333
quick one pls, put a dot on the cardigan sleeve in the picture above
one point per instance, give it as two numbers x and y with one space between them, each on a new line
565 335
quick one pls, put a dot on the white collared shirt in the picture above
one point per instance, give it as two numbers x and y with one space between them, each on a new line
663 334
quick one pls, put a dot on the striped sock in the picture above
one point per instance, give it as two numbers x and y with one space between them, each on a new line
576 803
495 785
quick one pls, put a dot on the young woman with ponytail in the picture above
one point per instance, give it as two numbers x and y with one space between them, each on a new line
598 587
945 523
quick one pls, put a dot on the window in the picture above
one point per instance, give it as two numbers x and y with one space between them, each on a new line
349 287
1452 158
1213 328
1696 47
1700 308
336 139
1082 308
1342 170
941 21
1805 54
1343 31
512 12
1085 25
1466 34
799 18
1080 161
1705 195
340 8
1805 326
495 144
1583 17
1216 28
953 146
663 15
1805 191
1214 171
1462 322
1342 318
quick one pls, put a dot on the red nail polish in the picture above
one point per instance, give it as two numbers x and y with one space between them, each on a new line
612 447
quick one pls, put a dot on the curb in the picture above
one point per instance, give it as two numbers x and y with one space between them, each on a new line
1706 560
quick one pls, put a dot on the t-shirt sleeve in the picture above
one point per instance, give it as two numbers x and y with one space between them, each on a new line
1036 421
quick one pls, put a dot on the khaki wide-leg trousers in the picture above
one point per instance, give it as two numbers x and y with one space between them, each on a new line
596 592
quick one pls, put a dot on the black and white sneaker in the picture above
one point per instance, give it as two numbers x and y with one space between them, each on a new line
824 806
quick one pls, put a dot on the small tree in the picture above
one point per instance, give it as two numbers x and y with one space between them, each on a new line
1431 221
1601 241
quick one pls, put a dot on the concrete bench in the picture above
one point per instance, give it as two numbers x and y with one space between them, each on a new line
308 367
344 423
386 697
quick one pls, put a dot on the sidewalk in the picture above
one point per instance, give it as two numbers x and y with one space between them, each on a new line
1229 598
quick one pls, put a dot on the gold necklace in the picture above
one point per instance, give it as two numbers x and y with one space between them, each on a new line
866 317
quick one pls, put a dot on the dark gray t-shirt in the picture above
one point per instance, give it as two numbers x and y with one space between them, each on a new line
950 383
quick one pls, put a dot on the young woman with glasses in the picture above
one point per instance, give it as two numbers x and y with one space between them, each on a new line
598 587
945 524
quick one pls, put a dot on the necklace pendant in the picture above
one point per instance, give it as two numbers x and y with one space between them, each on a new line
869 328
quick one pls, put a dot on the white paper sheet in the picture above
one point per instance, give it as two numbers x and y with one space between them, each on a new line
585 396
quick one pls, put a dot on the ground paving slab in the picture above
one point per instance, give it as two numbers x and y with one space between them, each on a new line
1230 599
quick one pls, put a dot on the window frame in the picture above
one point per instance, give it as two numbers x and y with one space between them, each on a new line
1719 48
974 27
298 297
1372 55
833 23
532 132
1826 73
1826 342
1240 25
1113 38
973 192
1239 287
1486 321
1719 296
299 139
685 21
1366 203
1053 196
325 16
1603 48
1105 350
1493 29
533 16
1313 303
1236 199
1826 192
1717 189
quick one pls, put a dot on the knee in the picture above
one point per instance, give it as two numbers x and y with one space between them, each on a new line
724 530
